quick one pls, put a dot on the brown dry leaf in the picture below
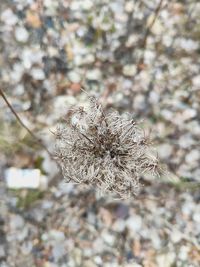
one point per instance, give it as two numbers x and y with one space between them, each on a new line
33 19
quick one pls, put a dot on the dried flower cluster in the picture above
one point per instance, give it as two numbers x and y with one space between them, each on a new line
107 151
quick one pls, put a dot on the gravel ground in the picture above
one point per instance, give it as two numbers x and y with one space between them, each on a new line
136 56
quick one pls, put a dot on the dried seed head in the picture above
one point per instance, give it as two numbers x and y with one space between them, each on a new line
107 151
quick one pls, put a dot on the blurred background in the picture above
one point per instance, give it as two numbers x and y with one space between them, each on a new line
138 56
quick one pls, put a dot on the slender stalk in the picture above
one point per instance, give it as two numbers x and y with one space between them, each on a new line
22 124
148 30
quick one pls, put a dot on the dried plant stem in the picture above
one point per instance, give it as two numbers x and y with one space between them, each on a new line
148 30
23 125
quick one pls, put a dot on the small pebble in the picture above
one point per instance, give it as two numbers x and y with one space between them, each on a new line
16 222
37 74
56 235
94 74
21 34
129 70
134 223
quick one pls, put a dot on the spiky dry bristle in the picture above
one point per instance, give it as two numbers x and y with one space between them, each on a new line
107 151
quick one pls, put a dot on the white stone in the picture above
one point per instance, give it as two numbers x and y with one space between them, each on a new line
189 114
129 70
196 174
21 34
129 6
134 223
149 56
194 126
176 236
184 170
46 204
165 151
118 226
167 114
87 252
183 253
98 245
74 77
37 74
51 7
132 39
89 59
29 57
98 260
166 260
9 17
52 51
127 84
185 141
75 5
196 216
16 222
94 74
44 237
87 4
19 90
157 27
116 7
106 26
56 235
188 208
188 44
43 182
139 102
22 178
66 188
155 239
58 251
193 156
167 40
196 81
22 234
17 72
108 238
154 97
91 218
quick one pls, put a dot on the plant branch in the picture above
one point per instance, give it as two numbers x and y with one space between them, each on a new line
22 124
148 30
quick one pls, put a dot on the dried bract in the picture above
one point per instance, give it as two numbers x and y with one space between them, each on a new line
107 151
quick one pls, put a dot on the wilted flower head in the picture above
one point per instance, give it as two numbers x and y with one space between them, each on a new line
105 150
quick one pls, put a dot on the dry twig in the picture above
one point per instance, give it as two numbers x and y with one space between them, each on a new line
22 124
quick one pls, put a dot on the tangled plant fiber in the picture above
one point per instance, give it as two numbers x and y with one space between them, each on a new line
107 151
